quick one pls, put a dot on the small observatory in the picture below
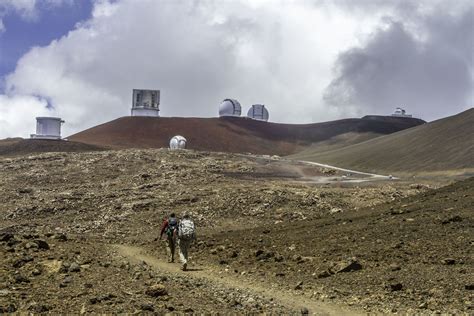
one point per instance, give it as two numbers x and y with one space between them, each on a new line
177 142
48 128
401 113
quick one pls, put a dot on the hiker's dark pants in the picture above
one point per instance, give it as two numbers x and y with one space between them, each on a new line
170 248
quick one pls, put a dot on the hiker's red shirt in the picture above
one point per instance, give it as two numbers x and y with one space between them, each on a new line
163 227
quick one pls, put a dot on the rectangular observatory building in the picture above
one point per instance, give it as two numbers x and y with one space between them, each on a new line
145 102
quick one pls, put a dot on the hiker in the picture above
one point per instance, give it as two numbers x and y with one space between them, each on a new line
170 227
186 235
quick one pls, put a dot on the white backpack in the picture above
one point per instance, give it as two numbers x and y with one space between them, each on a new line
186 229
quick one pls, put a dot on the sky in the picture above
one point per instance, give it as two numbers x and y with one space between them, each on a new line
306 60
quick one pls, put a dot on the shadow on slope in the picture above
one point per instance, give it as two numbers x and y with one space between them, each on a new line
445 144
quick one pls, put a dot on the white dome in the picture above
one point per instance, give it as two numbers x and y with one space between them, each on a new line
230 107
258 112
177 142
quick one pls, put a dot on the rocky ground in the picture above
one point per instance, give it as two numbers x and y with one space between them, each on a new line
267 242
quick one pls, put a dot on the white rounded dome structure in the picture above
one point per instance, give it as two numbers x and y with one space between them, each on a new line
177 142
258 112
230 107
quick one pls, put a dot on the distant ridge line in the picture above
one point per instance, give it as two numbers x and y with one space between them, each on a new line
232 134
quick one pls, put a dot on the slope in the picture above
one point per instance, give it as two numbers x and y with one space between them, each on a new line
235 134
444 144
19 146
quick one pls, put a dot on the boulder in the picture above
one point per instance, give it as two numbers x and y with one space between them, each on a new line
22 261
4 237
299 285
393 287
394 267
156 290
64 267
324 274
448 261
74 267
42 244
147 307
346 266
38 308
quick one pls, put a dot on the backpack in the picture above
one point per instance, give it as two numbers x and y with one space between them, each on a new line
186 229
172 226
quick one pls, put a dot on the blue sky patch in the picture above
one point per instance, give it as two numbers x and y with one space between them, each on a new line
22 34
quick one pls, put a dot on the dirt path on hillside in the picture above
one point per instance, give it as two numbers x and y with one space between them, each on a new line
295 302
343 169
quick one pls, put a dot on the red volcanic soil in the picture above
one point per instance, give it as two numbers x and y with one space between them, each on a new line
232 134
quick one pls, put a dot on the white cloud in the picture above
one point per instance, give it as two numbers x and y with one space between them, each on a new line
18 114
25 8
28 10
430 71
197 53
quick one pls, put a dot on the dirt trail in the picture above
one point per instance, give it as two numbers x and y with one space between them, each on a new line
296 302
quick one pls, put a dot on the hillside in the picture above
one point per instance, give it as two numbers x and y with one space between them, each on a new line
19 146
79 234
236 134
445 144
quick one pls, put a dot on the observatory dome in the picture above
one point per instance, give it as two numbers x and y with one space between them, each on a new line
230 107
258 112
177 142
401 113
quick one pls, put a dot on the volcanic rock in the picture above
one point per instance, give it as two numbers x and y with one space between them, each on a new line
156 290
38 308
448 261
452 219
147 307
299 285
74 267
21 279
324 274
394 267
42 244
64 268
9 308
395 287
346 266
4 237
22 261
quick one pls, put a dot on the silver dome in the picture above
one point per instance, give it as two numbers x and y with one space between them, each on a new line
230 107
177 142
258 112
